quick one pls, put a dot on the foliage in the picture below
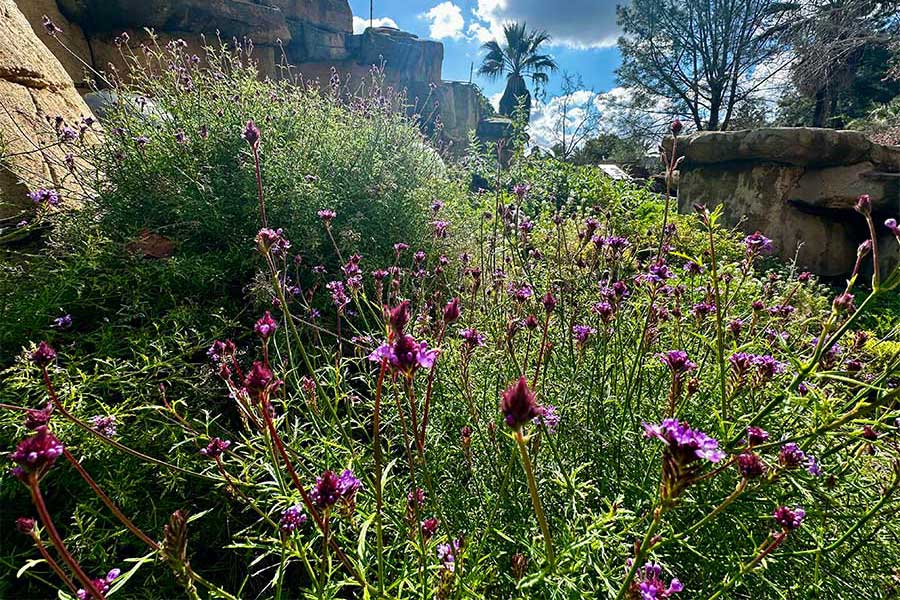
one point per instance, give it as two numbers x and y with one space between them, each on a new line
519 57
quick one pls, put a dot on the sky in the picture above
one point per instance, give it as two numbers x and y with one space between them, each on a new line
583 36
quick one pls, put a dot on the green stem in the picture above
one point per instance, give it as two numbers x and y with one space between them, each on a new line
535 498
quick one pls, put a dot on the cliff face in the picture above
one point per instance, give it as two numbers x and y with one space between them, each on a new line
314 36
34 90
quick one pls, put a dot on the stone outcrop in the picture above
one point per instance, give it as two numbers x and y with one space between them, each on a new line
34 89
313 36
796 185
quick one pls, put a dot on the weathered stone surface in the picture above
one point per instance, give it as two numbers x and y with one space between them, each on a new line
233 18
334 15
405 56
796 185
34 87
71 35
800 146
312 43
449 110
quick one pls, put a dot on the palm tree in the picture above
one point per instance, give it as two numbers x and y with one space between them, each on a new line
518 58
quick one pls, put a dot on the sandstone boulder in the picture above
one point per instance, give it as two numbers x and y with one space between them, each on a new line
263 23
405 56
34 89
332 15
796 185
71 36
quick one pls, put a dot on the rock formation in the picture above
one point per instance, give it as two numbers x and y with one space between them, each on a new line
34 89
795 185
313 36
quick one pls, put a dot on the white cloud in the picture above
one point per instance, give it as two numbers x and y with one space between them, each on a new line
479 32
495 100
573 23
360 24
544 127
445 21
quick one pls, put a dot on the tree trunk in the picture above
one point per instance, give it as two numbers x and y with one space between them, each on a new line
516 89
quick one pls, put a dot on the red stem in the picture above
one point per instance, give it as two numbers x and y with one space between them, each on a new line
53 564
44 515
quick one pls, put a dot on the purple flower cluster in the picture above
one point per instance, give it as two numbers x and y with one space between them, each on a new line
104 425
791 457
789 518
766 366
272 240
677 361
518 405
685 444
265 326
44 197
448 553
405 354
581 333
648 584
101 585
331 489
757 243
292 518
549 418
36 453
215 448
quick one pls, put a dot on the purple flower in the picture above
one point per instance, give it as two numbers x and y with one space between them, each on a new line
37 452
549 418
220 350
549 302
863 205
789 518
750 465
43 355
265 326
757 243
892 226
685 444
429 528
104 425
451 311
692 268
440 229
648 585
812 466
331 488
677 361
791 456
405 354
63 322
292 519
448 553
581 333
517 404
703 309
756 435
767 367
327 215
215 448
472 338
272 240
338 294
604 309
251 134
101 585
258 378
520 292
44 196
521 190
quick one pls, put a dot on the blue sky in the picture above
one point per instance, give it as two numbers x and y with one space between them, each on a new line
583 31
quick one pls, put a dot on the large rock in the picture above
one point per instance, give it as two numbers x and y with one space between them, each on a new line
262 23
449 110
406 58
333 15
34 89
796 185
800 146
71 36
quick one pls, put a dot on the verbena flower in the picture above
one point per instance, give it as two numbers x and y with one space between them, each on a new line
292 518
258 378
272 240
405 354
472 338
327 215
25 525
757 243
36 453
452 311
791 456
215 448
440 228
756 435
43 355
517 404
338 294
648 584
63 322
677 361
863 205
789 518
265 326
101 585
331 488
448 553
549 418
750 465
685 444
892 226
104 425
251 134
429 528
581 333
44 196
